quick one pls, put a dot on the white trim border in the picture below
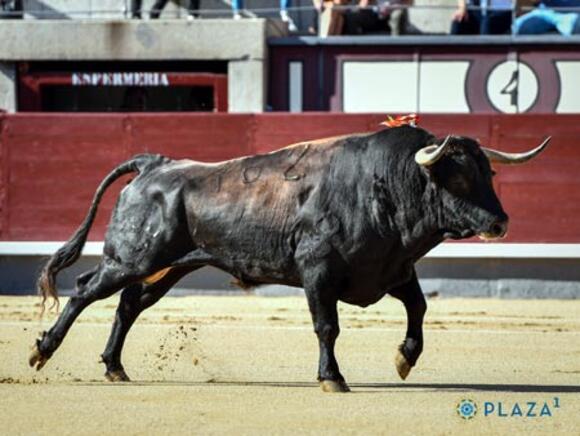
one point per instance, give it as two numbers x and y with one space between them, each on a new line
443 251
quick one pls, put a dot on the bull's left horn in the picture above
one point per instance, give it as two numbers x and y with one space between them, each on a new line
501 157
432 153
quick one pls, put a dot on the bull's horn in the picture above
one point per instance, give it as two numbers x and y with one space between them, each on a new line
432 153
514 158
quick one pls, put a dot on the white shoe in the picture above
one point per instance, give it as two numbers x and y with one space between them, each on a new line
237 16
291 26
190 18
289 21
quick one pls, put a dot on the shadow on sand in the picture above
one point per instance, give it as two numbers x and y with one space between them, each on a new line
371 387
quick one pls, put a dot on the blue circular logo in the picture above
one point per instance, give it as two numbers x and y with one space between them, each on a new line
467 409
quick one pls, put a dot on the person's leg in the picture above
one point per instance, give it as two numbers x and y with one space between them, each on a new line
474 22
456 28
469 26
136 6
370 22
157 8
499 22
193 9
398 21
352 24
576 30
13 10
484 24
18 9
237 6
531 24
332 20
284 4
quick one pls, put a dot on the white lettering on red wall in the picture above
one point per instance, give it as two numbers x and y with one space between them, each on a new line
119 79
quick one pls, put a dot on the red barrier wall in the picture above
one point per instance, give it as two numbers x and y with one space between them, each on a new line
50 164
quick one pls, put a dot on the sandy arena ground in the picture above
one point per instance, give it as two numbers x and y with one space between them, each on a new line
247 365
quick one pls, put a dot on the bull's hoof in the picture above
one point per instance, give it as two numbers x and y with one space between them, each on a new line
334 386
37 359
117 376
403 367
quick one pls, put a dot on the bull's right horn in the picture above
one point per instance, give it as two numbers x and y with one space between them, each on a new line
432 153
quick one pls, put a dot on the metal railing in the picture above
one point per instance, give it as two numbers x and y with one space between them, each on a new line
30 10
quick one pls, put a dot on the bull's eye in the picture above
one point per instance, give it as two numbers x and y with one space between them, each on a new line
458 184
493 173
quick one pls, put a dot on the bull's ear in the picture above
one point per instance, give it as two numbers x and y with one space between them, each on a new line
427 156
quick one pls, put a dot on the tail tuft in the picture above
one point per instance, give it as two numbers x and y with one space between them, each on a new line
47 288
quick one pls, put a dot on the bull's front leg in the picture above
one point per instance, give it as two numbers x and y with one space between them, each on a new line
322 303
409 351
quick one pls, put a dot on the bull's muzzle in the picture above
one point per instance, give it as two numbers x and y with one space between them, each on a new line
497 230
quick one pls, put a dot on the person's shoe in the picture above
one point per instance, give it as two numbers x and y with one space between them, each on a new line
237 16
289 21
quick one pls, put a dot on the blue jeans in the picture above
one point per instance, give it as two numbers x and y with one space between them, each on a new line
541 21
239 4
491 23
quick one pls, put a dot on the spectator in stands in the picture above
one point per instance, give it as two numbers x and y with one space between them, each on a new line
286 18
331 16
363 19
396 14
369 16
11 9
483 17
545 20
238 7
137 6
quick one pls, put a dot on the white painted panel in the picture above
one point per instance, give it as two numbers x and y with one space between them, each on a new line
505 251
295 86
442 87
44 248
569 72
379 86
445 250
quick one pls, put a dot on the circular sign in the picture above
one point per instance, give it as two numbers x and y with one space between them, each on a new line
512 87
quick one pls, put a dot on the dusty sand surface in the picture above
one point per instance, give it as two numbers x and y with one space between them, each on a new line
247 365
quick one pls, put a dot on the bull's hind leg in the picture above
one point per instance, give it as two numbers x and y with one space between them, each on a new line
134 299
102 283
410 350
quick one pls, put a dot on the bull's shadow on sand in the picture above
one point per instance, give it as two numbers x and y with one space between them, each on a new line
378 387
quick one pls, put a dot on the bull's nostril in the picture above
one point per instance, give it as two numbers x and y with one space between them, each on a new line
498 229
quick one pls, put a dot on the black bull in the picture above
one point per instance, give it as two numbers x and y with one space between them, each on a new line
345 218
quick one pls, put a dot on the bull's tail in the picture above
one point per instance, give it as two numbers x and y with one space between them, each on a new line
71 250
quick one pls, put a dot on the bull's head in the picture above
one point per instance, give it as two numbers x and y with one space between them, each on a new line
461 178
